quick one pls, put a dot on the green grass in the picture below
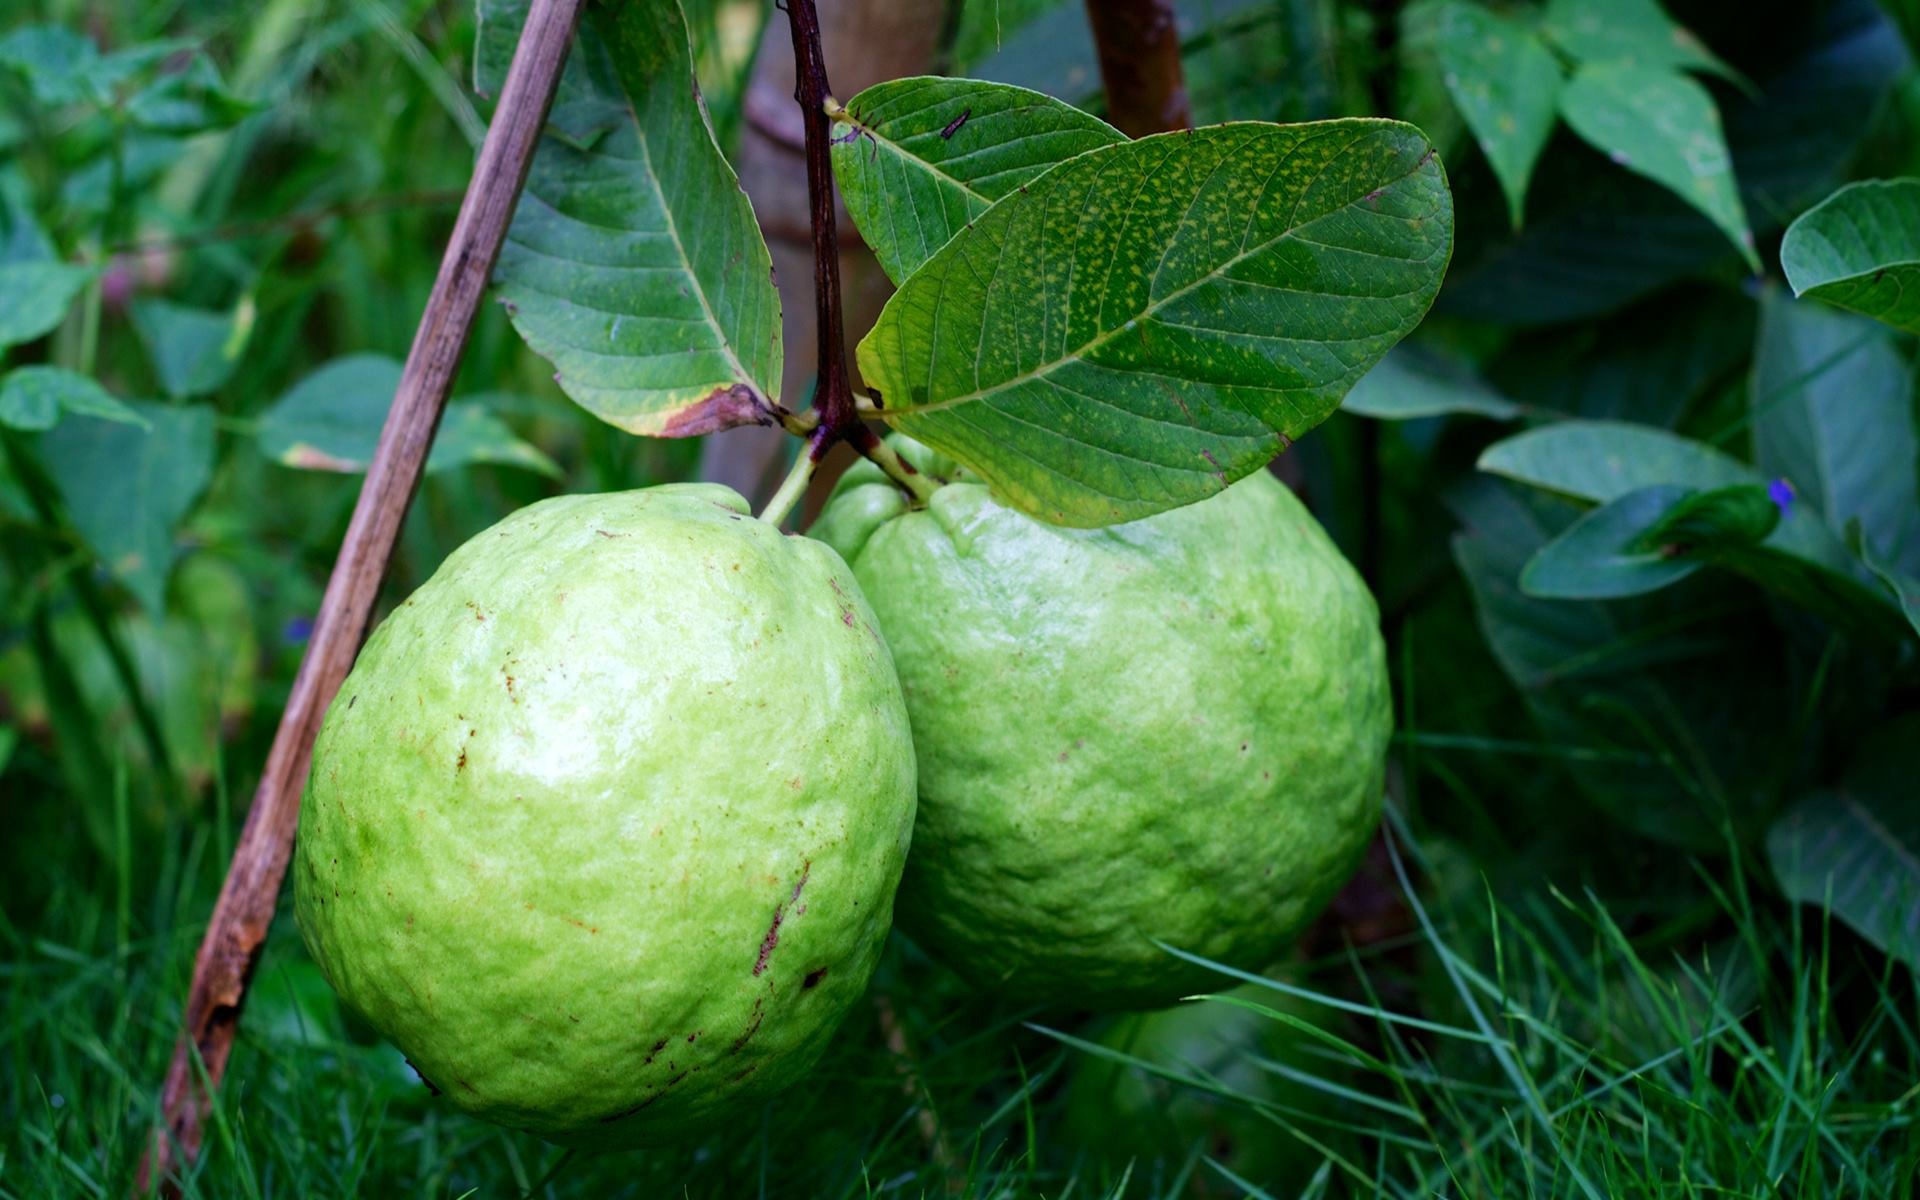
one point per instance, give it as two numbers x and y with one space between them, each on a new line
1524 1047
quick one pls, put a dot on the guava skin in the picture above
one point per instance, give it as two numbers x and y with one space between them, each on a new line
603 830
1170 729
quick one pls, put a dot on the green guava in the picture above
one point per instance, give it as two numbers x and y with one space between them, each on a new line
1125 1114
603 830
1172 730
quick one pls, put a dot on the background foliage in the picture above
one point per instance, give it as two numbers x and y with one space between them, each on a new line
1638 501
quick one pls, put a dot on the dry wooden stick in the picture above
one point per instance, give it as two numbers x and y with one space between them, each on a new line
245 909
1139 47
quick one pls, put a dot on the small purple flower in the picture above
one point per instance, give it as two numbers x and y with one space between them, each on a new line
1781 493
297 631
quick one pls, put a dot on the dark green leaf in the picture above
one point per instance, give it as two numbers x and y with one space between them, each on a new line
1664 126
1723 519
331 420
1414 381
1831 415
1636 32
193 350
1602 556
1600 461
34 397
187 100
52 59
38 294
1857 848
126 486
1860 249
1152 320
1506 84
917 159
634 262
1904 588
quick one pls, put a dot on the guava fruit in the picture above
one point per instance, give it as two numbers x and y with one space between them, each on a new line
1124 1114
1171 730
604 827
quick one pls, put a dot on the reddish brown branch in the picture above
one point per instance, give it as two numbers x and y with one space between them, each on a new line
833 393
1139 46
245 909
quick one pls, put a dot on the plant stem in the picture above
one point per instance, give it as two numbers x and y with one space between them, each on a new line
899 470
794 487
1139 47
242 916
833 394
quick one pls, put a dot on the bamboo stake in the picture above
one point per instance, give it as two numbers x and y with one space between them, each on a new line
244 912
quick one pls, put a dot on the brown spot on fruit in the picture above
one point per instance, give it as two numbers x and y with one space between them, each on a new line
813 977
772 940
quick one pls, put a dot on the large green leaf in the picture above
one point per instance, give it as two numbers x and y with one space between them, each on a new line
916 159
1832 415
1662 125
34 397
1860 249
1604 555
634 262
1856 848
1152 320
1414 381
1627 31
126 486
331 420
1506 84
38 294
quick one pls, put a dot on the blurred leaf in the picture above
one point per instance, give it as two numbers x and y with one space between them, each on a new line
126 486
38 294
21 237
34 397
1601 461
1904 588
193 350
1832 415
1099 350
331 420
1664 126
1597 238
1857 847
1506 83
53 60
917 159
89 189
190 99
1634 32
1860 249
1601 556
1415 381
1672 698
634 262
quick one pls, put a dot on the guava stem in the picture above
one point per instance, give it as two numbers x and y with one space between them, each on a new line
898 469
790 491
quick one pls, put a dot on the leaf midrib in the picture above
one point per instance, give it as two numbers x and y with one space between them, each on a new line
1102 338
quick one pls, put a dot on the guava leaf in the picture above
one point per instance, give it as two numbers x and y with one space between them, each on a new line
1662 125
331 420
193 350
1506 84
1831 414
1856 849
1860 249
33 398
1414 381
1150 321
1637 32
38 294
634 262
916 159
126 486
